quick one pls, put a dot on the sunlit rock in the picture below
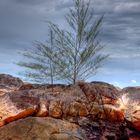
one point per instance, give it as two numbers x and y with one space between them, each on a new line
104 109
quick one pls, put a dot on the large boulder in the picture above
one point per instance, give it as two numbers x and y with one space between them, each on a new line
99 89
41 129
15 108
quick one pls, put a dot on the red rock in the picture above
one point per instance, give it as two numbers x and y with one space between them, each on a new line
134 138
55 109
80 100
10 82
83 111
106 112
26 87
94 101
74 109
132 107
136 125
43 109
3 91
13 107
77 109
70 101
94 90
23 114
2 123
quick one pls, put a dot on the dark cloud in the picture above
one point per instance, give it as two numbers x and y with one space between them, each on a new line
30 2
22 22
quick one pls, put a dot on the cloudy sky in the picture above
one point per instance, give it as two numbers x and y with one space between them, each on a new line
23 21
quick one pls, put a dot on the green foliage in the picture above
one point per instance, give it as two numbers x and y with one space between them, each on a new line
41 68
69 55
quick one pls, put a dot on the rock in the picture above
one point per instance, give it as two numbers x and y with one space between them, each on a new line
41 129
43 110
63 137
132 105
74 109
13 107
77 109
136 125
4 90
47 87
134 138
10 82
73 101
55 109
103 130
106 112
27 86
94 109
135 91
83 111
96 90
102 98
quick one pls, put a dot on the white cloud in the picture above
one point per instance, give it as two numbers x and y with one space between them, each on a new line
116 83
133 81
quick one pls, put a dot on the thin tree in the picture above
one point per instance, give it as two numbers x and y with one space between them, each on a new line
41 68
80 58
75 54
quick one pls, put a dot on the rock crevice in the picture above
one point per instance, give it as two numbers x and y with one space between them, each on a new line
85 111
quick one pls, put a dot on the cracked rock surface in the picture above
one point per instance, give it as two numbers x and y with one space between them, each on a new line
84 111
35 128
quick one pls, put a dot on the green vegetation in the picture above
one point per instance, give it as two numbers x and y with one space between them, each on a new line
68 55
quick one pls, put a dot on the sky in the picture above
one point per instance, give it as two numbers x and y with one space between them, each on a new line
23 21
